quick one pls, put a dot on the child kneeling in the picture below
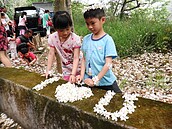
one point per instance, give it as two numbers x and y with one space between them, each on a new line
27 56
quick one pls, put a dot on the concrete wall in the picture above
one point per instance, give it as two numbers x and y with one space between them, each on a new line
40 110
34 111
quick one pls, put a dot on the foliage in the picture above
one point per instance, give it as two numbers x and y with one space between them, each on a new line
79 22
133 35
145 29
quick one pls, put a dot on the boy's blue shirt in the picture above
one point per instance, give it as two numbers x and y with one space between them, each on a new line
95 52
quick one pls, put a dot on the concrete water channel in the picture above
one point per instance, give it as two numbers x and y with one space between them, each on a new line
40 109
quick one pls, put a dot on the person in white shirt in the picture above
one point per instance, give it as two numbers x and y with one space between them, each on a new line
22 23
10 22
4 21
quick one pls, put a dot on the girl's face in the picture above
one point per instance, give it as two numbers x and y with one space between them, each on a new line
95 25
64 33
3 17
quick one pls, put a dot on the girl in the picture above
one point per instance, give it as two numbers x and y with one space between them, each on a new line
22 23
66 44
98 51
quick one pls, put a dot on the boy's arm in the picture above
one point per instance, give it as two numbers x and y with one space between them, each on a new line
82 67
92 82
34 59
105 68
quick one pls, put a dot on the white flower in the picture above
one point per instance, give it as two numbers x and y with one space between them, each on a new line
70 92
128 106
93 6
45 83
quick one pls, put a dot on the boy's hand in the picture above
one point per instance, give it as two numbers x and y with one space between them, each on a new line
89 82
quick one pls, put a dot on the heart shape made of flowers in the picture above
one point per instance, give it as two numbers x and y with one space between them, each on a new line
70 92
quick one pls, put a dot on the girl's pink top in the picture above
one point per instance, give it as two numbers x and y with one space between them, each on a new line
65 50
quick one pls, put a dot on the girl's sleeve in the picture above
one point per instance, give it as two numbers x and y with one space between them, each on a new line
77 41
50 41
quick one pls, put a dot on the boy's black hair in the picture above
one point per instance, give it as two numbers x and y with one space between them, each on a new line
28 31
94 13
62 20
21 46
24 50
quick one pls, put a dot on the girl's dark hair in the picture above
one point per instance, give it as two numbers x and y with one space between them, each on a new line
2 14
62 20
23 13
94 13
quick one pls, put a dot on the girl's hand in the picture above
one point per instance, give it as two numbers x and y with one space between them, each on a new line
72 78
46 74
89 82
78 79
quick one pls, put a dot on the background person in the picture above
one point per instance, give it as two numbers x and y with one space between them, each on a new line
4 46
26 56
27 38
22 23
5 23
10 22
46 17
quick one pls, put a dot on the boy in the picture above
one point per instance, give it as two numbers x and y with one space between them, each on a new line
98 51
27 56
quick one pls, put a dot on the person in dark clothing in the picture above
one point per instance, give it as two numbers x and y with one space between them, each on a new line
26 38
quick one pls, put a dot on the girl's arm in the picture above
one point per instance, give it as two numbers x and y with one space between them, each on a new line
75 64
75 60
81 76
51 56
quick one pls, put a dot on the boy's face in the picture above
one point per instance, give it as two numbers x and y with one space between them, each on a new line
64 33
95 25
26 54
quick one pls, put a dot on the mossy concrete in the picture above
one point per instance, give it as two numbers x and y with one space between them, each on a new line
40 110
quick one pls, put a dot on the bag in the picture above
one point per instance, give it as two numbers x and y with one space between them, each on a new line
49 23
